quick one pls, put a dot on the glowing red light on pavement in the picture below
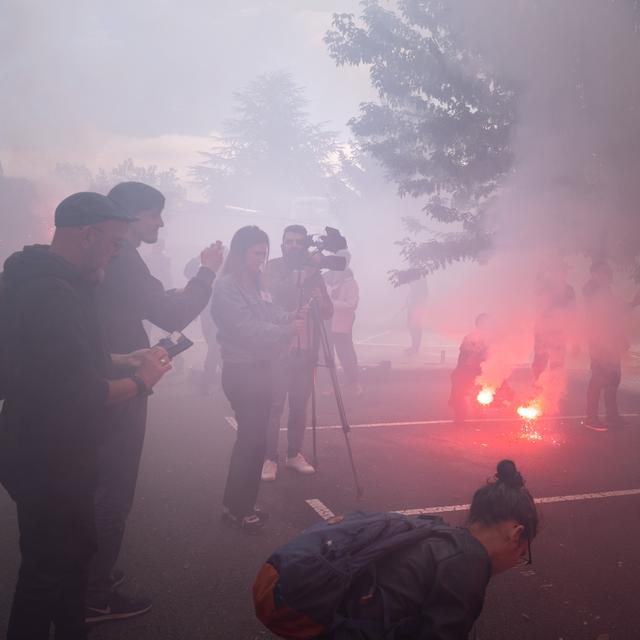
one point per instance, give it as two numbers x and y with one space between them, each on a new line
529 413
485 396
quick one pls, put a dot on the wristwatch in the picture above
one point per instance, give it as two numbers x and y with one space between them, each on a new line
143 390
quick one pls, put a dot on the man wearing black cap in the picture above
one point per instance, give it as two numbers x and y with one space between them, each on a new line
129 295
57 392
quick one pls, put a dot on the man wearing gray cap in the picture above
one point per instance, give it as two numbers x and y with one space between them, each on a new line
128 296
56 383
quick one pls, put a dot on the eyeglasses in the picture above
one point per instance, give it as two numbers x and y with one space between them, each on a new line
527 560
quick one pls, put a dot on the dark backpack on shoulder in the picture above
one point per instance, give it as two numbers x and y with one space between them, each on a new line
299 592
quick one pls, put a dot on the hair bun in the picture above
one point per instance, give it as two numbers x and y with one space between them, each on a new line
509 475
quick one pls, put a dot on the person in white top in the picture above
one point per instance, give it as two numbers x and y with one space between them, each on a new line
345 295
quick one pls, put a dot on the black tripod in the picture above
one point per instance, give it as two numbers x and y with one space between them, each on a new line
320 338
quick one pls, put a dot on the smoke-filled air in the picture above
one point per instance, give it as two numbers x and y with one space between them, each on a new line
268 265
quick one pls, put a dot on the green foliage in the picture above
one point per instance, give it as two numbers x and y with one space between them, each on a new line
269 153
80 177
442 126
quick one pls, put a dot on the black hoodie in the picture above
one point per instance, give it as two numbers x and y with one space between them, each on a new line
55 382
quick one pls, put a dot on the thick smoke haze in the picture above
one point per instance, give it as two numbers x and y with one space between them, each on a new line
96 83
76 74
574 192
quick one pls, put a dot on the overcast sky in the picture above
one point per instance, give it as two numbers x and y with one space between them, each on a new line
96 80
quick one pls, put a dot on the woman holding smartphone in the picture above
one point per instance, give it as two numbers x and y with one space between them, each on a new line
252 333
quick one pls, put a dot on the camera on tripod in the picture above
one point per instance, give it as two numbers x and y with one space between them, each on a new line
332 241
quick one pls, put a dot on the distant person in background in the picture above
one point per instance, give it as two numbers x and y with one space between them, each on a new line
555 321
345 295
608 338
416 313
473 352
212 362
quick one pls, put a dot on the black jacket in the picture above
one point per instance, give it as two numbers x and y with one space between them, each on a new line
436 586
56 371
130 294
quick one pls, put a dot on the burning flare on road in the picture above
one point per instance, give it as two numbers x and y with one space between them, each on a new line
486 395
530 412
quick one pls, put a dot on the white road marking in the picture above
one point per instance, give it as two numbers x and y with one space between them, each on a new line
378 335
325 513
320 508
426 423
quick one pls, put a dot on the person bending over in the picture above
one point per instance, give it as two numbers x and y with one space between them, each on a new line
406 578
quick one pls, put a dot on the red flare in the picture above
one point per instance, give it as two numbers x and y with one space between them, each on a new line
485 396
530 412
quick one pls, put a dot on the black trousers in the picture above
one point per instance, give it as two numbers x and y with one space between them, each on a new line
605 377
119 463
550 350
248 389
462 389
57 540
212 359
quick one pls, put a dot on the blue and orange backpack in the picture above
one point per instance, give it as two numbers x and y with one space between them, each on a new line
299 592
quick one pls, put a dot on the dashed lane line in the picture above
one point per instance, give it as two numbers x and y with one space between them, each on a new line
325 513
378 335
320 508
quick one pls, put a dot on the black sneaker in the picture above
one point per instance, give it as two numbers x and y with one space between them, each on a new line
251 524
117 578
118 608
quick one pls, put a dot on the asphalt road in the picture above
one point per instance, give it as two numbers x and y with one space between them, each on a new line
584 582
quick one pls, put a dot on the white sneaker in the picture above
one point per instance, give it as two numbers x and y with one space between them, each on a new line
299 464
269 471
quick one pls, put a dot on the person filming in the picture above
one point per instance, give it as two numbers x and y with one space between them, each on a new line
294 280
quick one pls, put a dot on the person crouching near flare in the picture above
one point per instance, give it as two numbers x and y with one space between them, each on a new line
473 352
385 575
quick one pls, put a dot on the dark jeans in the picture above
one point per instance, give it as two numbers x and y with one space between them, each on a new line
248 389
57 540
605 376
549 351
343 343
462 388
118 473
212 359
292 380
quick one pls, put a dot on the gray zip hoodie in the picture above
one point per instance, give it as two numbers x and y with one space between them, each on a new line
250 327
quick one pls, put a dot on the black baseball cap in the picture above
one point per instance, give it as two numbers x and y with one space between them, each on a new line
137 196
86 208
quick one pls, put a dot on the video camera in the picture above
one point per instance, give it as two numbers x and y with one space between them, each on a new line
332 241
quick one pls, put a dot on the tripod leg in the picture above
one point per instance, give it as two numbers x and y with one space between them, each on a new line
331 365
314 420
